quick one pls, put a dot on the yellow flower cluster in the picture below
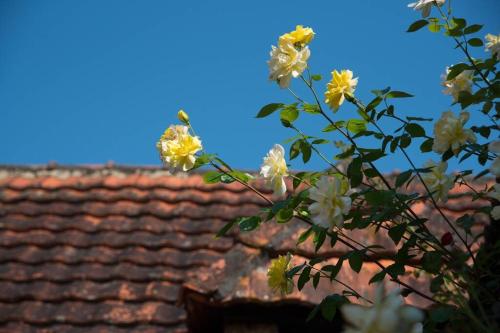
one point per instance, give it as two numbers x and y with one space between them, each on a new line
276 275
289 59
178 148
300 36
342 84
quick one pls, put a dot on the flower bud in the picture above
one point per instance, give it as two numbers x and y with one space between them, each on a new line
183 117
446 239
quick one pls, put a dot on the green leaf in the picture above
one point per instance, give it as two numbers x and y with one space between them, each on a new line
330 304
381 92
415 130
319 238
295 149
404 141
458 23
334 126
289 113
212 177
472 29
333 238
249 223
268 109
475 42
333 269
316 77
226 228
426 146
313 313
397 232
294 270
345 154
354 172
431 261
304 277
284 215
373 103
434 25
377 277
356 125
376 198
202 160
316 278
311 108
373 156
436 283
305 148
320 141
417 25
455 70
304 236
403 177
397 94
226 179
395 269
355 261
441 313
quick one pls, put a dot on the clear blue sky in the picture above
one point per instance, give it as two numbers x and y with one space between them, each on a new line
93 81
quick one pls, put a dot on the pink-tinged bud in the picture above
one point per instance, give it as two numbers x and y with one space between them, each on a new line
446 239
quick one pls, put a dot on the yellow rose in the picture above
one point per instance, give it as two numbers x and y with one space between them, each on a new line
342 84
301 36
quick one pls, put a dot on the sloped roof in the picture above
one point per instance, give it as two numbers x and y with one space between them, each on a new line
115 249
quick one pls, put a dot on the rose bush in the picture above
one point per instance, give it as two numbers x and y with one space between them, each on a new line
353 193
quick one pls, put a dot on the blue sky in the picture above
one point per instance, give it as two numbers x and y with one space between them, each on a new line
86 82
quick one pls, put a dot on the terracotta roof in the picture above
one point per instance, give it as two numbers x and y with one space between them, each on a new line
115 249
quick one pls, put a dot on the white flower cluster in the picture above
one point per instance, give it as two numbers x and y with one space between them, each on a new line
289 58
286 63
449 132
331 201
274 169
438 182
461 82
387 315
425 6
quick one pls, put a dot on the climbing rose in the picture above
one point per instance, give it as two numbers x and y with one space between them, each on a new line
388 314
300 36
331 201
287 62
438 182
461 82
342 84
449 132
274 169
425 6
276 275
493 45
178 148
